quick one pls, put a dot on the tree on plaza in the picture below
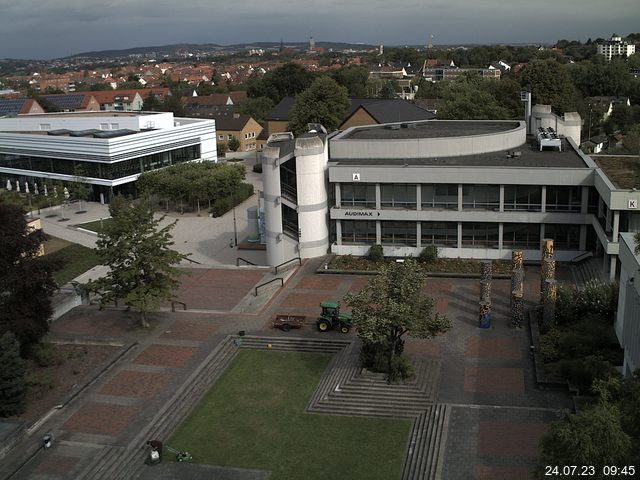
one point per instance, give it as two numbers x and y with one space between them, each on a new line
324 102
591 437
136 249
26 281
391 305
80 188
13 388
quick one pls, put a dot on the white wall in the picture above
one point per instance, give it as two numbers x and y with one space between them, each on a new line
85 121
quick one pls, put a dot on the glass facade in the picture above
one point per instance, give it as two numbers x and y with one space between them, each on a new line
288 180
398 196
108 171
564 199
442 234
481 197
525 198
358 195
290 221
565 237
521 235
440 196
399 233
358 233
482 235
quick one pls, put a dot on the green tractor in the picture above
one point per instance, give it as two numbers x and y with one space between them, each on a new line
331 318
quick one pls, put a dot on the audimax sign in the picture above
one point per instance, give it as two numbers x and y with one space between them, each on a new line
360 213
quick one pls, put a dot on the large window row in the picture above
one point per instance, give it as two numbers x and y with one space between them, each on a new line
109 171
474 234
525 198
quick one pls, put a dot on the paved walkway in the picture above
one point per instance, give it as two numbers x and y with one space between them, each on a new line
497 415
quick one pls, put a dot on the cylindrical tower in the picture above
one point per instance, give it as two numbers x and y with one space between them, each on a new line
272 204
311 164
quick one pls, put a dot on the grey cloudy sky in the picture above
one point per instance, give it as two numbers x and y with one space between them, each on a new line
54 28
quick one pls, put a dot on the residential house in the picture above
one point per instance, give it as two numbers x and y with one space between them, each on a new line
74 102
243 127
608 103
10 107
361 111
615 47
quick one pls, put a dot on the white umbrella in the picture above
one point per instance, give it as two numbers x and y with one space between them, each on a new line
35 189
55 192
9 187
46 194
26 188
17 186
66 193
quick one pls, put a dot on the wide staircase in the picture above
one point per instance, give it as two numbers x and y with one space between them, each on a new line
345 389
588 269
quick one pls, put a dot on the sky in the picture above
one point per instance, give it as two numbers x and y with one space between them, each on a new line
40 29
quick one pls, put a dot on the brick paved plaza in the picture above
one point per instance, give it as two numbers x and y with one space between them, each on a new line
497 413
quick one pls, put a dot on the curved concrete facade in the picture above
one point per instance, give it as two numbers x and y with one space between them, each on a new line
311 165
272 204
460 145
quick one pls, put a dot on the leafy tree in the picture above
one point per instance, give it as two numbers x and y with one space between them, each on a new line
392 304
353 78
467 99
221 148
12 369
287 80
592 437
26 281
631 140
389 89
258 108
151 103
550 84
80 188
141 263
233 144
324 102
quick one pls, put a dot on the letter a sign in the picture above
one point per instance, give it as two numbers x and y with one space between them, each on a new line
356 177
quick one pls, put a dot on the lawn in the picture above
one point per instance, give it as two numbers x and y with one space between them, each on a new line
95 226
76 259
254 417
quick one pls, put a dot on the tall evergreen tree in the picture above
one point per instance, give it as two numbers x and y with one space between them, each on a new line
26 281
142 270
12 369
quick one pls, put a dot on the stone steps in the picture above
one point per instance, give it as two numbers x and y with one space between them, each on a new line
109 466
426 444
292 344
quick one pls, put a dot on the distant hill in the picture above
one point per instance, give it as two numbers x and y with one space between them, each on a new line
208 48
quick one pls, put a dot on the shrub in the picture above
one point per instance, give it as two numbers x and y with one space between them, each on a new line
222 205
401 370
429 254
550 345
12 377
376 253
582 372
598 298
44 355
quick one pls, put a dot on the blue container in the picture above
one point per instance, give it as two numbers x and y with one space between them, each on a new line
485 321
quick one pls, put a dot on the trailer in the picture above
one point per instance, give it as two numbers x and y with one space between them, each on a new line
287 322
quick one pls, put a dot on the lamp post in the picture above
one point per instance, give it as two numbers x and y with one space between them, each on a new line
235 230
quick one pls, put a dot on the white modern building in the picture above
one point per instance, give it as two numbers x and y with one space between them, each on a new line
615 47
627 323
475 189
109 149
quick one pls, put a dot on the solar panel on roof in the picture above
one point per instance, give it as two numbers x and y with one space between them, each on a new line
12 106
65 102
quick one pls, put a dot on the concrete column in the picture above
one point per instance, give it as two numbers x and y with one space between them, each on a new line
459 197
583 238
378 232
419 197
338 232
542 237
459 234
338 195
501 207
543 199
418 234
612 268
616 226
584 206
378 197
500 234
